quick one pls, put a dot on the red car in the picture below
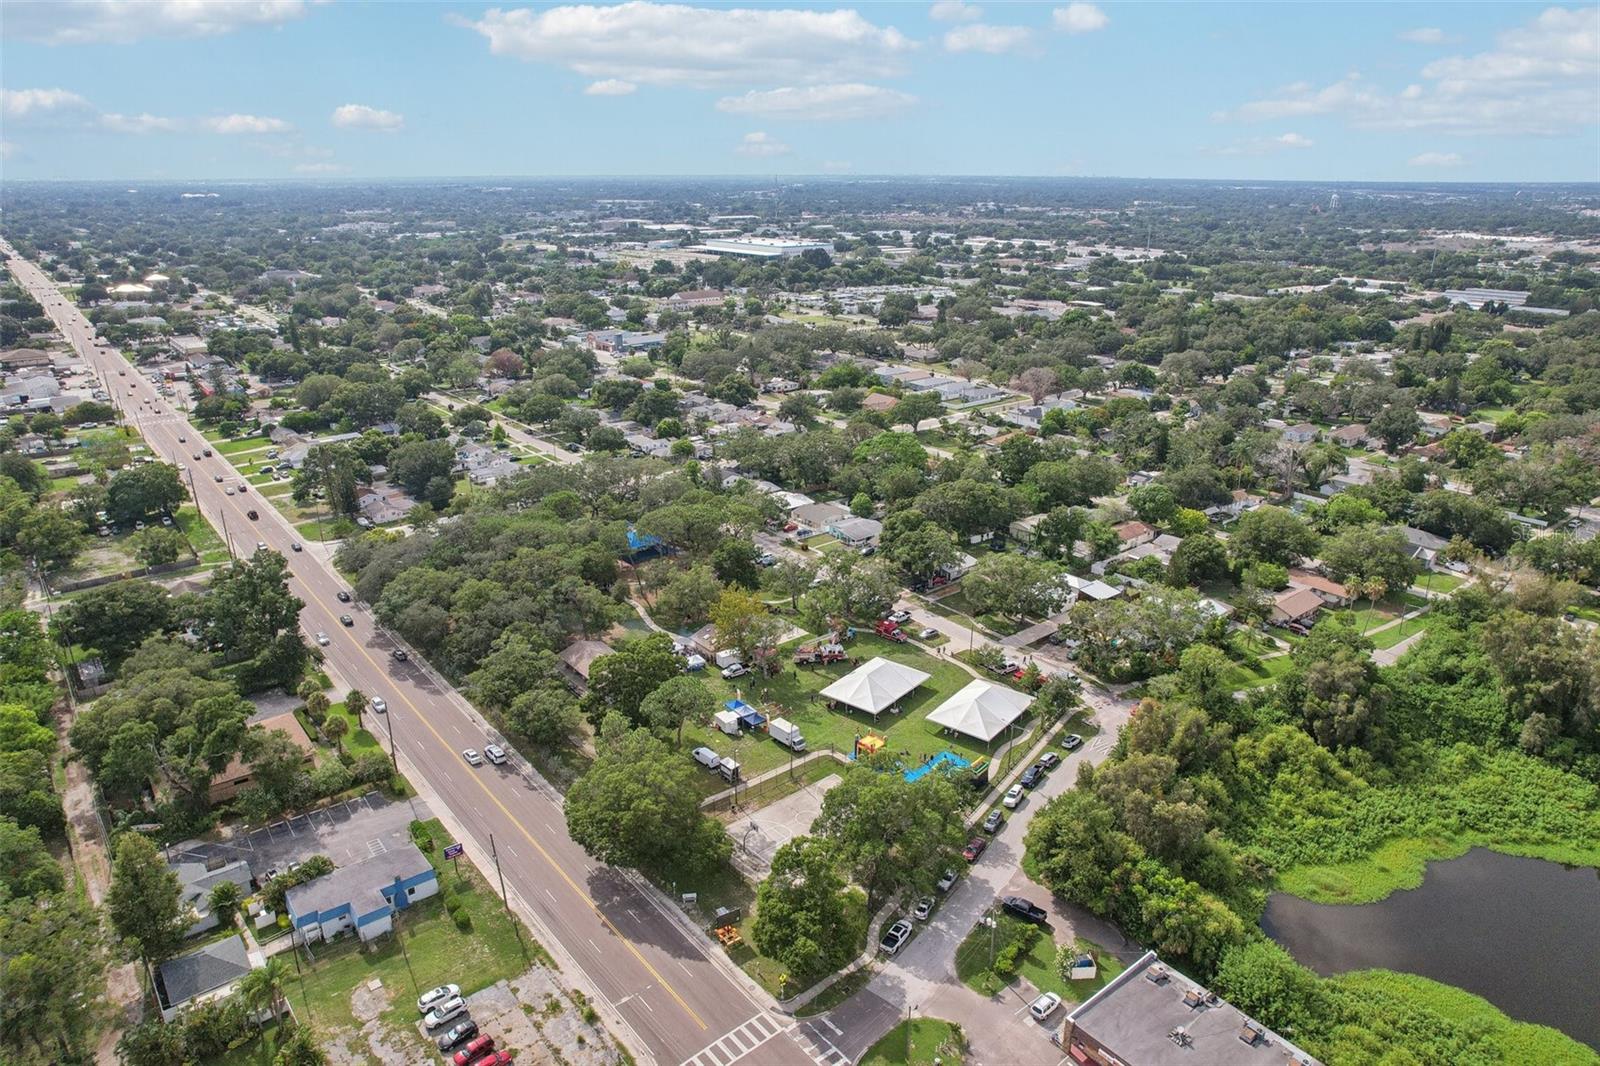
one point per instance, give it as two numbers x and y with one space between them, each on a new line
974 848
497 1058
475 1050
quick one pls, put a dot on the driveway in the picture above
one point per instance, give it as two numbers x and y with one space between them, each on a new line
345 832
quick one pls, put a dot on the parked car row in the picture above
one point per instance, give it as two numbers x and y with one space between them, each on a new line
465 1045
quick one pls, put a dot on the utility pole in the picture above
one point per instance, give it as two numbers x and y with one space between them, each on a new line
506 900
394 760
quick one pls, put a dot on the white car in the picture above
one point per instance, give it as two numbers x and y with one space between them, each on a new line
445 1013
322 638
433 996
379 705
924 909
1044 1006
947 882
495 753
1014 796
736 670
472 757
895 938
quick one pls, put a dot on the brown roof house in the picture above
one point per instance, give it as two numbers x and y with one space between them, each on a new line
1296 605
238 776
878 401
1332 592
578 657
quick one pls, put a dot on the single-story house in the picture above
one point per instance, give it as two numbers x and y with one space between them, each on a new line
238 775
1425 546
362 896
579 656
818 515
1094 590
1301 433
1296 605
195 883
875 686
880 402
856 532
204 975
695 298
1331 591
1025 530
981 710
1351 436
1134 533
382 506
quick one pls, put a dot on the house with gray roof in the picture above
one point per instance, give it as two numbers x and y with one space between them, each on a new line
204 975
363 896
195 883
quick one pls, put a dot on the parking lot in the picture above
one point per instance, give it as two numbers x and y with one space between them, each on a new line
345 832
757 837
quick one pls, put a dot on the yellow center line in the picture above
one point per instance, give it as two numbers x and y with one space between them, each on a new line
548 858
673 992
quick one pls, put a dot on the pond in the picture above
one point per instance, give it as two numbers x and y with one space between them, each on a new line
1522 933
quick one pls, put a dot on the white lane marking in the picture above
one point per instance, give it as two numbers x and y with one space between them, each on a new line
836 1030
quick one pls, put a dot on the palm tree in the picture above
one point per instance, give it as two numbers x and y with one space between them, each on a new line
1374 589
307 688
263 988
355 703
335 729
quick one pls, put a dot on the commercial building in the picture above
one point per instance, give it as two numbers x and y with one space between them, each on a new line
363 896
765 247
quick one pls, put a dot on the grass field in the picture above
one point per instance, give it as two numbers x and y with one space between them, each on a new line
436 952
793 695
1241 677
1401 864
918 1042
1038 965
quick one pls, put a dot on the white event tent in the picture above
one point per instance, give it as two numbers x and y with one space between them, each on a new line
875 685
981 710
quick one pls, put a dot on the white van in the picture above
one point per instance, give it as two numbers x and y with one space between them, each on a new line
707 758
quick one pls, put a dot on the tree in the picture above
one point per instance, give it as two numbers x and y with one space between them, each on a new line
223 901
1153 503
1365 553
138 492
546 714
791 577
891 449
1015 586
26 867
687 595
144 901
1197 559
681 699
299 1048
734 562
52 974
624 678
335 729
415 467
1038 382
1395 425
1272 535
1334 685
890 833
157 545
802 916
262 988
251 615
743 623
639 806
355 701
50 538
20 731
969 508
1264 981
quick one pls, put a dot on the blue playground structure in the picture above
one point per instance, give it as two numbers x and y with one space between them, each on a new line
955 762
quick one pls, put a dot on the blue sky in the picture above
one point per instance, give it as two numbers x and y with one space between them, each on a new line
288 88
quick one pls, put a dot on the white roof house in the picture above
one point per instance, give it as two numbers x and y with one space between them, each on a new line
875 685
981 710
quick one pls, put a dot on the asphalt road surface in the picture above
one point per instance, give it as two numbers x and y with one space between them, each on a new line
679 1004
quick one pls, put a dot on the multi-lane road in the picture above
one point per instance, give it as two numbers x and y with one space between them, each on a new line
674 1002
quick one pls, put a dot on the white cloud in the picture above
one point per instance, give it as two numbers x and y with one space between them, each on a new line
819 102
138 124
993 40
1262 145
675 44
610 87
320 168
1436 159
1079 18
1423 35
761 145
245 124
1538 79
37 103
954 11
123 21
362 117
837 166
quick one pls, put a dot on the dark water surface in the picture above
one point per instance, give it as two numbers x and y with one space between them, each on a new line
1522 933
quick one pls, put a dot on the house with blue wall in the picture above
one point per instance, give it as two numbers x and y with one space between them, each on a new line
363 896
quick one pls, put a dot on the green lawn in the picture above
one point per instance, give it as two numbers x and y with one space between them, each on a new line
918 1042
1438 583
793 695
234 447
358 740
435 953
1388 638
1038 965
258 1052
1240 676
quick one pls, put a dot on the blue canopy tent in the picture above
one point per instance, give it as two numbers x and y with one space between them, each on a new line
749 717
